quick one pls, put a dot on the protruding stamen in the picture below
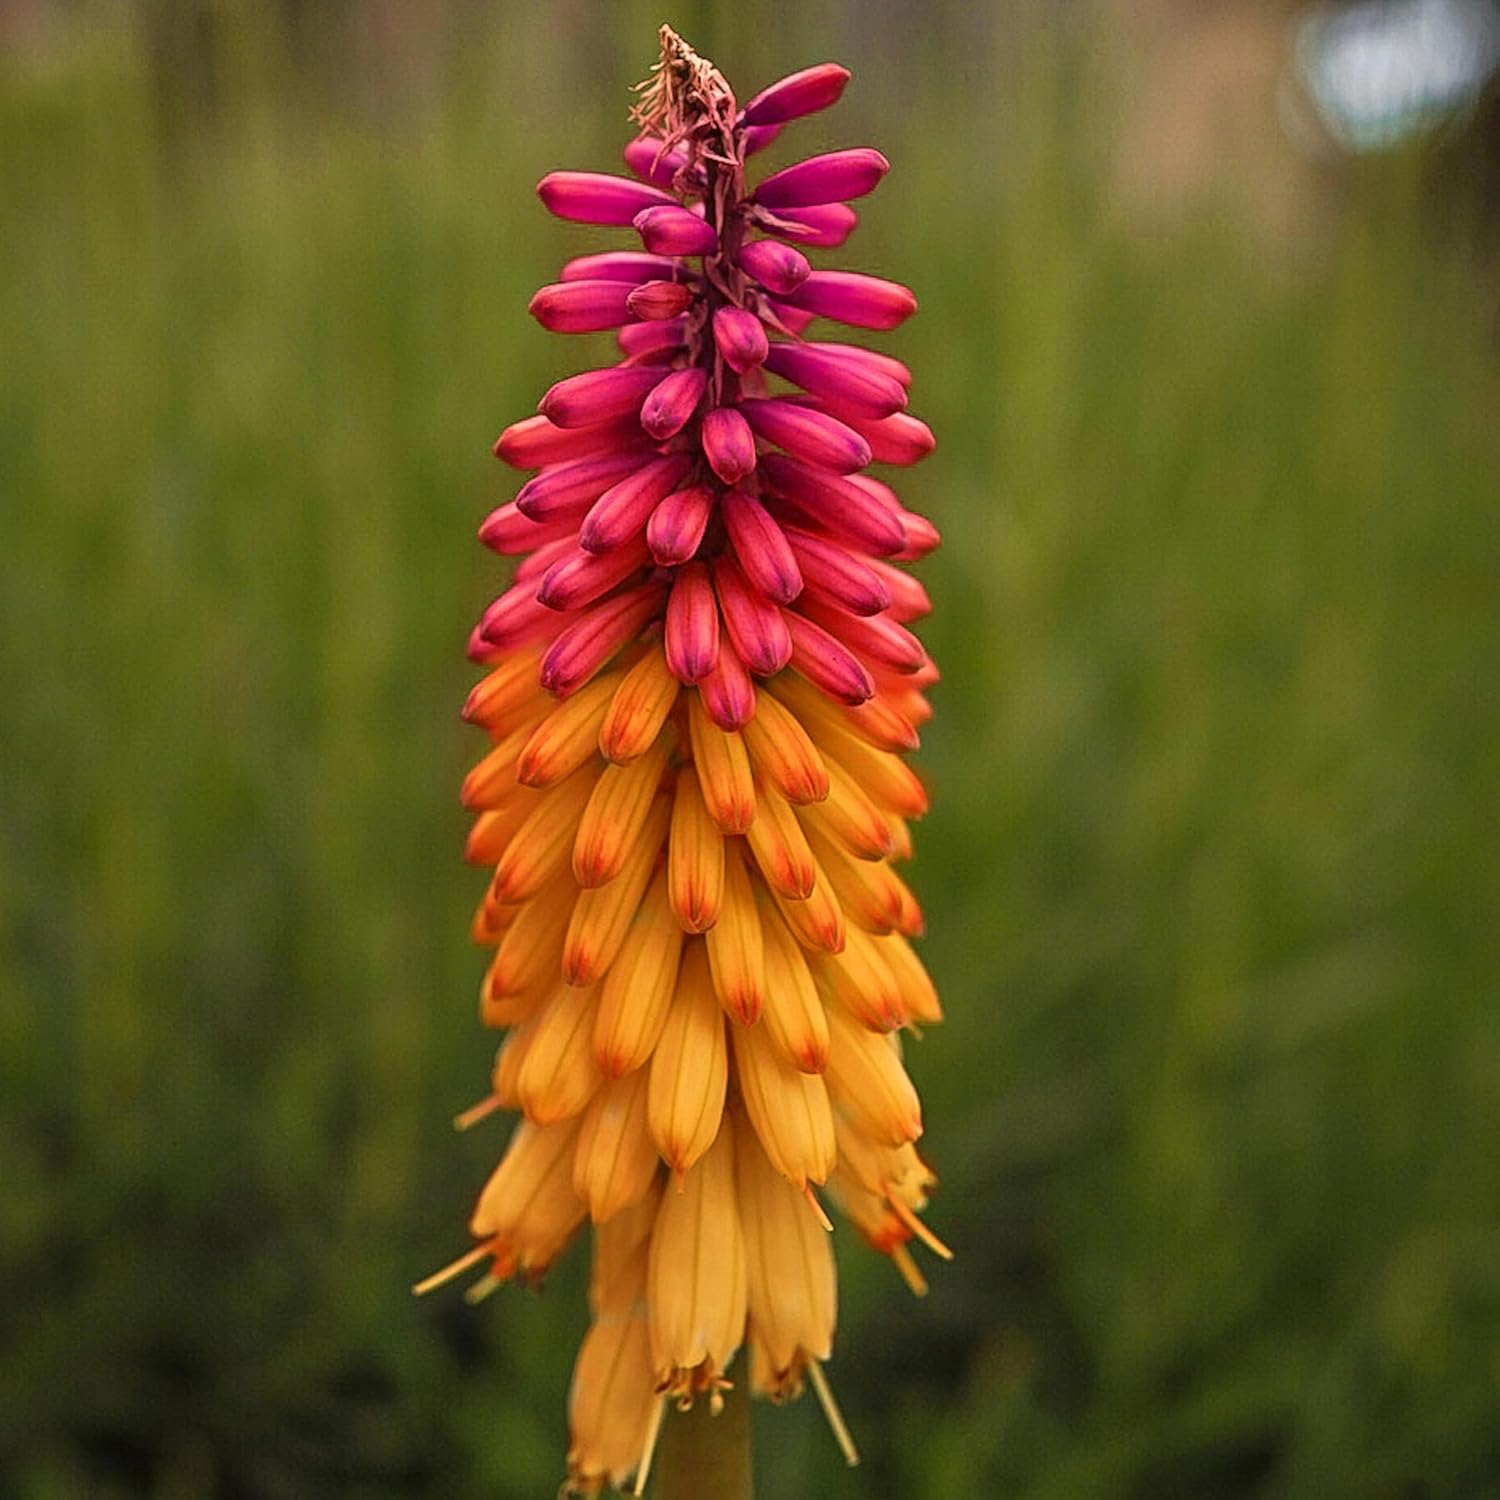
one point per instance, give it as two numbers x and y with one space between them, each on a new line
918 1227
477 1112
819 1213
901 1258
648 1451
452 1269
487 1284
831 1411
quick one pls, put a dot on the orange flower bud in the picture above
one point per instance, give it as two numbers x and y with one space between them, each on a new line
540 848
818 921
568 737
867 1082
849 818
690 1067
615 1159
858 980
638 709
788 1108
779 845
723 767
559 1075
793 1013
695 858
616 813
529 1205
735 953
781 750
637 991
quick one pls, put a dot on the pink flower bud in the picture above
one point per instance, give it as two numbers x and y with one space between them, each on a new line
823 225
667 409
830 178
775 266
516 617
834 571
856 385
741 338
645 157
585 646
655 300
675 231
728 694
834 505
758 137
728 444
534 441
676 527
761 547
849 297
692 629
812 436
826 663
802 93
565 491
877 638
597 197
755 625
509 531
897 439
919 537
785 318
909 599
648 341
580 577
871 359
623 509
581 306
599 395
617 265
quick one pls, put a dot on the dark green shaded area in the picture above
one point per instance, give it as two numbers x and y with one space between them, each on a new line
1210 875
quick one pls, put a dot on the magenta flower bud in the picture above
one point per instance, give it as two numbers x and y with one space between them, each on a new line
623 509
649 341
834 505
812 436
741 338
581 306
657 300
849 297
645 157
584 647
871 359
534 441
875 638
909 599
667 409
530 569
855 385
675 231
728 694
758 137
775 266
565 491
919 537
728 444
785 318
599 395
692 629
827 663
509 531
830 178
825 226
516 617
633 266
481 653
849 581
597 197
755 625
580 577
761 547
896 439
676 527
804 92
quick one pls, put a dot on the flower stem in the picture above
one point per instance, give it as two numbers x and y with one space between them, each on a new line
707 1456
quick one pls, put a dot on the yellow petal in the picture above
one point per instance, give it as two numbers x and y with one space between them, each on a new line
616 812
919 996
735 954
560 1075
514 684
819 921
849 817
638 709
867 1082
610 1403
637 991
493 780
779 845
723 767
542 843
568 737
690 1068
530 953
601 917
615 1161
783 753
529 1204
858 980
793 1011
695 860
788 1108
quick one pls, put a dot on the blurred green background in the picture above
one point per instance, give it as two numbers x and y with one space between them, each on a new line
1211 874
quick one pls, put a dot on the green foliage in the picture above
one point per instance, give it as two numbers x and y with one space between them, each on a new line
1210 874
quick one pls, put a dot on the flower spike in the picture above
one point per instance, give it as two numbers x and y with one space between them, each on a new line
700 683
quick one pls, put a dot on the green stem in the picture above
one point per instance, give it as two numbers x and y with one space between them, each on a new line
703 1457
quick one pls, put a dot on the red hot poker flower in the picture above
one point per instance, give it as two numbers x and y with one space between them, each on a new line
701 682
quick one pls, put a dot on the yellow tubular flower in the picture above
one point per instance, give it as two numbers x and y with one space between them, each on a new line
700 688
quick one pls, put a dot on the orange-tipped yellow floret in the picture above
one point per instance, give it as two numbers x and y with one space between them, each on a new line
788 1108
637 992
850 818
559 1075
690 1067
616 813
782 751
867 1082
723 767
615 1159
542 844
793 1012
640 706
695 858
818 921
568 737
736 955
859 981
529 1205
779 845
